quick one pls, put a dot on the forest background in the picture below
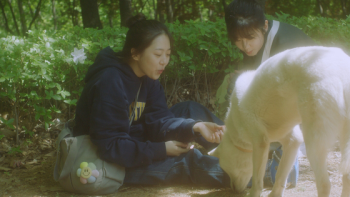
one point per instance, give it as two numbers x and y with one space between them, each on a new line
47 46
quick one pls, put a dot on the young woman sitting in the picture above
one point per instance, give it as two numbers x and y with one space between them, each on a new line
123 109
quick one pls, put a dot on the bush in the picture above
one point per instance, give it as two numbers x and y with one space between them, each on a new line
324 31
40 79
39 76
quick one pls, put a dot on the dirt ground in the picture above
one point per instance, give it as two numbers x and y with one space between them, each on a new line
36 179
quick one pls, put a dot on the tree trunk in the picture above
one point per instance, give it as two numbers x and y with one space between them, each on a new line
125 11
22 17
194 10
176 8
16 114
343 6
110 14
54 14
155 9
5 18
181 9
31 12
89 12
169 11
320 7
30 9
110 20
14 18
142 5
200 14
224 4
210 14
36 14
160 10
73 13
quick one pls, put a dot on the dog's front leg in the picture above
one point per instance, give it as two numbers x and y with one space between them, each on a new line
261 145
290 145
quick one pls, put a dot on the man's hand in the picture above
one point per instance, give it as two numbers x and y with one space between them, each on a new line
175 148
210 131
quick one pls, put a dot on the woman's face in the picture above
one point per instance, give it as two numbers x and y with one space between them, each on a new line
251 46
153 60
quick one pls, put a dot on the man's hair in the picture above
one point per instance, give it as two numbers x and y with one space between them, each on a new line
243 18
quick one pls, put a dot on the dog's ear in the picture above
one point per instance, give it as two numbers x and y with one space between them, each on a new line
215 152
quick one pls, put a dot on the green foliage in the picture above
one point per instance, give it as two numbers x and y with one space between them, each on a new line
8 123
293 7
200 47
27 142
305 8
2 136
68 13
14 150
27 132
64 10
38 73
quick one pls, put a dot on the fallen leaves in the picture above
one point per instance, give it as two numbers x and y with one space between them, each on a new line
4 169
16 163
45 144
32 162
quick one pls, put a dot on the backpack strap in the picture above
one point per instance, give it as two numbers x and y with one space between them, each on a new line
269 40
65 132
73 151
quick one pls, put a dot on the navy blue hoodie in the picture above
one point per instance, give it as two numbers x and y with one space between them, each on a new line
106 103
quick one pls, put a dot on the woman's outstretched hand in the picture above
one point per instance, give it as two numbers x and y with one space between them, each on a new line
210 131
175 148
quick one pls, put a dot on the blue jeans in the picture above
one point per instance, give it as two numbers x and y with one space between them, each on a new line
190 168
195 168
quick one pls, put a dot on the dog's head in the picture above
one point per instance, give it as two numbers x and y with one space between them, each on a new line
237 163
235 159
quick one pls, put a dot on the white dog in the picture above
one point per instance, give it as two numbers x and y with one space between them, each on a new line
308 86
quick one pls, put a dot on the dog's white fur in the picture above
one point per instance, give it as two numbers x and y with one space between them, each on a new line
308 86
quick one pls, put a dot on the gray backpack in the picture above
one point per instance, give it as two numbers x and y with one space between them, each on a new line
79 169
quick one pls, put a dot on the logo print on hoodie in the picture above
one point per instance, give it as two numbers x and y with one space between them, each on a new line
140 106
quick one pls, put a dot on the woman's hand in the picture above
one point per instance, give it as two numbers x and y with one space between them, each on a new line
210 131
175 148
